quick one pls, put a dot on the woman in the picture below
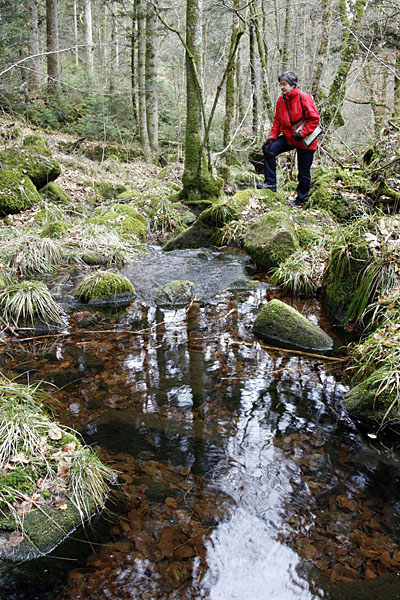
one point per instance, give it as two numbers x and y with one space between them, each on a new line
296 117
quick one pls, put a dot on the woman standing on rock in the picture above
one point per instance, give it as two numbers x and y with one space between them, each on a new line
297 118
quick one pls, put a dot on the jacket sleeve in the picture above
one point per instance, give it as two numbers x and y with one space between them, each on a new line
276 126
311 114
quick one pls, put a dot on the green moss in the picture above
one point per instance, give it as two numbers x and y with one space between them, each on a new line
307 237
103 284
17 192
35 161
55 193
271 240
365 403
35 140
55 230
124 218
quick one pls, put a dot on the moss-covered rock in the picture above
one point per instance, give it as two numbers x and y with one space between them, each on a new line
36 161
106 189
94 259
283 325
128 195
175 293
271 240
56 229
105 287
17 192
365 402
124 218
338 191
55 193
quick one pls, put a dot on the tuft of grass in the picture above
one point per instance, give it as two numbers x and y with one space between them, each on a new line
223 211
33 449
232 233
165 217
29 301
34 256
99 239
302 272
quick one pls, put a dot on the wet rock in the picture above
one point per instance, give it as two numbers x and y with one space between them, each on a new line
367 403
17 192
175 293
271 240
285 326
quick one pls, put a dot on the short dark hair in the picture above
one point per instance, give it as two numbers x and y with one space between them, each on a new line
288 76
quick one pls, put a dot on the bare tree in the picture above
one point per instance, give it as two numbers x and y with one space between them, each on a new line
53 63
151 77
33 47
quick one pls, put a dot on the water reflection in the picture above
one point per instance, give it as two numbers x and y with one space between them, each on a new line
242 476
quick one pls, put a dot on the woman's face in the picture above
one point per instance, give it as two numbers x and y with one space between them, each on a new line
286 88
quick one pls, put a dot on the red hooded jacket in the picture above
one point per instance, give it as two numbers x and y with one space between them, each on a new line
290 110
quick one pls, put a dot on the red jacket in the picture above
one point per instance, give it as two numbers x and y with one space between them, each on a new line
289 108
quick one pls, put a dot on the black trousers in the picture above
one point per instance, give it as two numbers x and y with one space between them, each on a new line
304 162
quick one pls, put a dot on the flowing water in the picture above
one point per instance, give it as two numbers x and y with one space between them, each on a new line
243 477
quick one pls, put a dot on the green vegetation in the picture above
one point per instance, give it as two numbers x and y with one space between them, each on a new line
44 466
103 284
24 303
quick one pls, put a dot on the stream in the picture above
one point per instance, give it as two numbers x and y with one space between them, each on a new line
242 477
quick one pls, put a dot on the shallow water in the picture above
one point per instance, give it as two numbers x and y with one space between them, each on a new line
243 477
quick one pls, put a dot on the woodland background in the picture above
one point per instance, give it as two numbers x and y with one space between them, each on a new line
116 70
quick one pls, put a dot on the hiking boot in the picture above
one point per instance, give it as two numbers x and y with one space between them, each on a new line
296 203
265 186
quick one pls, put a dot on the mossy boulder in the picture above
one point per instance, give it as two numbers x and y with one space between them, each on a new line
56 229
124 218
271 240
366 403
175 293
34 160
105 288
94 259
283 325
55 193
338 191
106 189
17 192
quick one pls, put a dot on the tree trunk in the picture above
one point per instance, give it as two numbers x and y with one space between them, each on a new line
322 50
198 183
76 38
151 77
88 37
253 80
33 48
396 104
268 108
141 70
230 92
53 63
285 51
331 114
133 66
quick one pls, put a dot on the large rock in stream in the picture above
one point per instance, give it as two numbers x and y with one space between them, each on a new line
271 240
285 326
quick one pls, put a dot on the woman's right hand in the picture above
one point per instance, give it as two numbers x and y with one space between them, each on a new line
268 143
